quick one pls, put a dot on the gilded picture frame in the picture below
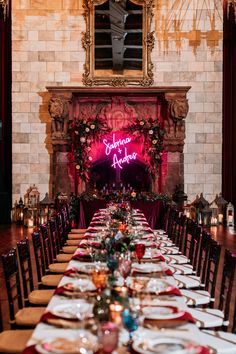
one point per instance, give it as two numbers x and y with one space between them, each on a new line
93 77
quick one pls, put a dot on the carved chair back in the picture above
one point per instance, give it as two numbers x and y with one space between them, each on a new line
39 256
54 238
212 267
203 255
12 280
25 268
191 241
47 248
227 285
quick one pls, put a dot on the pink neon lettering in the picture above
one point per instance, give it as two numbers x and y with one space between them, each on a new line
115 144
125 159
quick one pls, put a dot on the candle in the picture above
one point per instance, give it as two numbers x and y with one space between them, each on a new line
213 220
116 310
221 217
187 214
230 218
30 222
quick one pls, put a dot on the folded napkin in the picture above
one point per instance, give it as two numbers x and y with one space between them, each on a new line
47 316
74 272
171 291
32 350
159 257
61 290
168 272
82 256
90 244
92 230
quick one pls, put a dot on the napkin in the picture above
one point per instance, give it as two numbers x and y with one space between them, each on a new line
159 257
171 291
74 272
31 350
90 244
50 316
82 256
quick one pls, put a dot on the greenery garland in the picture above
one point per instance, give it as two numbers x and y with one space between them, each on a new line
118 195
152 135
83 134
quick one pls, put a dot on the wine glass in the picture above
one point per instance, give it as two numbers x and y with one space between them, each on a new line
108 336
125 268
139 250
130 320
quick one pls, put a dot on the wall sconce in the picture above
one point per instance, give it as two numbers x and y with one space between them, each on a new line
4 5
230 214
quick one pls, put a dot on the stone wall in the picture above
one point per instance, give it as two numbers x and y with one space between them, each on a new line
47 51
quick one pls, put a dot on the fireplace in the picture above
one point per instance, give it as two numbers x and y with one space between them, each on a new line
118 107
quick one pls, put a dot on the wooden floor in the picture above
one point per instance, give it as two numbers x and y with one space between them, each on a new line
11 234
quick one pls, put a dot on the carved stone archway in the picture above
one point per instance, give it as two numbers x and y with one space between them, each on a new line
119 106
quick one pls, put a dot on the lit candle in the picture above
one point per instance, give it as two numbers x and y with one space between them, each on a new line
230 218
30 222
187 214
221 217
115 313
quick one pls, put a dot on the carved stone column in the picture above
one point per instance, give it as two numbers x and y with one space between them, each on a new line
174 124
58 107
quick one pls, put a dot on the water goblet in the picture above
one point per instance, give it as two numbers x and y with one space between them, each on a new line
130 320
125 268
140 251
108 336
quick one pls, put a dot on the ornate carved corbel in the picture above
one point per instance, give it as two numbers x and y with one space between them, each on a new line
59 111
174 124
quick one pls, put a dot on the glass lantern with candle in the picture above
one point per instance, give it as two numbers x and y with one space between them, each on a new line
222 204
46 206
206 214
230 214
214 214
20 212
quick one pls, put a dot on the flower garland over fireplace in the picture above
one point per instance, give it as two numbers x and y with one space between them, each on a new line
84 132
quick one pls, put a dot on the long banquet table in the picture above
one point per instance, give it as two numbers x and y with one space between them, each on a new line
149 334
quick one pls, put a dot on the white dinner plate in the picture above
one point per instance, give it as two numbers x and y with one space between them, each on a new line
61 345
72 310
165 345
147 267
162 313
80 285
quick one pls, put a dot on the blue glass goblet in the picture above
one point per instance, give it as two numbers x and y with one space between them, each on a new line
130 321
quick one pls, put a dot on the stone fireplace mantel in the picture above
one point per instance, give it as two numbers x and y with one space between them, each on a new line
118 105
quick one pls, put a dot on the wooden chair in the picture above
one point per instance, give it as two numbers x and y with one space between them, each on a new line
19 316
47 247
42 266
221 340
34 297
44 281
208 317
13 341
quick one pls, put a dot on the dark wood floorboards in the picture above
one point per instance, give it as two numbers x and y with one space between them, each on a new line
11 234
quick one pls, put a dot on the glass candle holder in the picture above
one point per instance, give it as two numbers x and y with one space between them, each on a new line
116 310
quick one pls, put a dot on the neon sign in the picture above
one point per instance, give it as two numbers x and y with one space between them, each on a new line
119 150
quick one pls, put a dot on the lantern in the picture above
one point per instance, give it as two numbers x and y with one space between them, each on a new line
221 203
214 214
42 217
187 210
20 212
206 214
230 214
28 218
199 203
46 204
